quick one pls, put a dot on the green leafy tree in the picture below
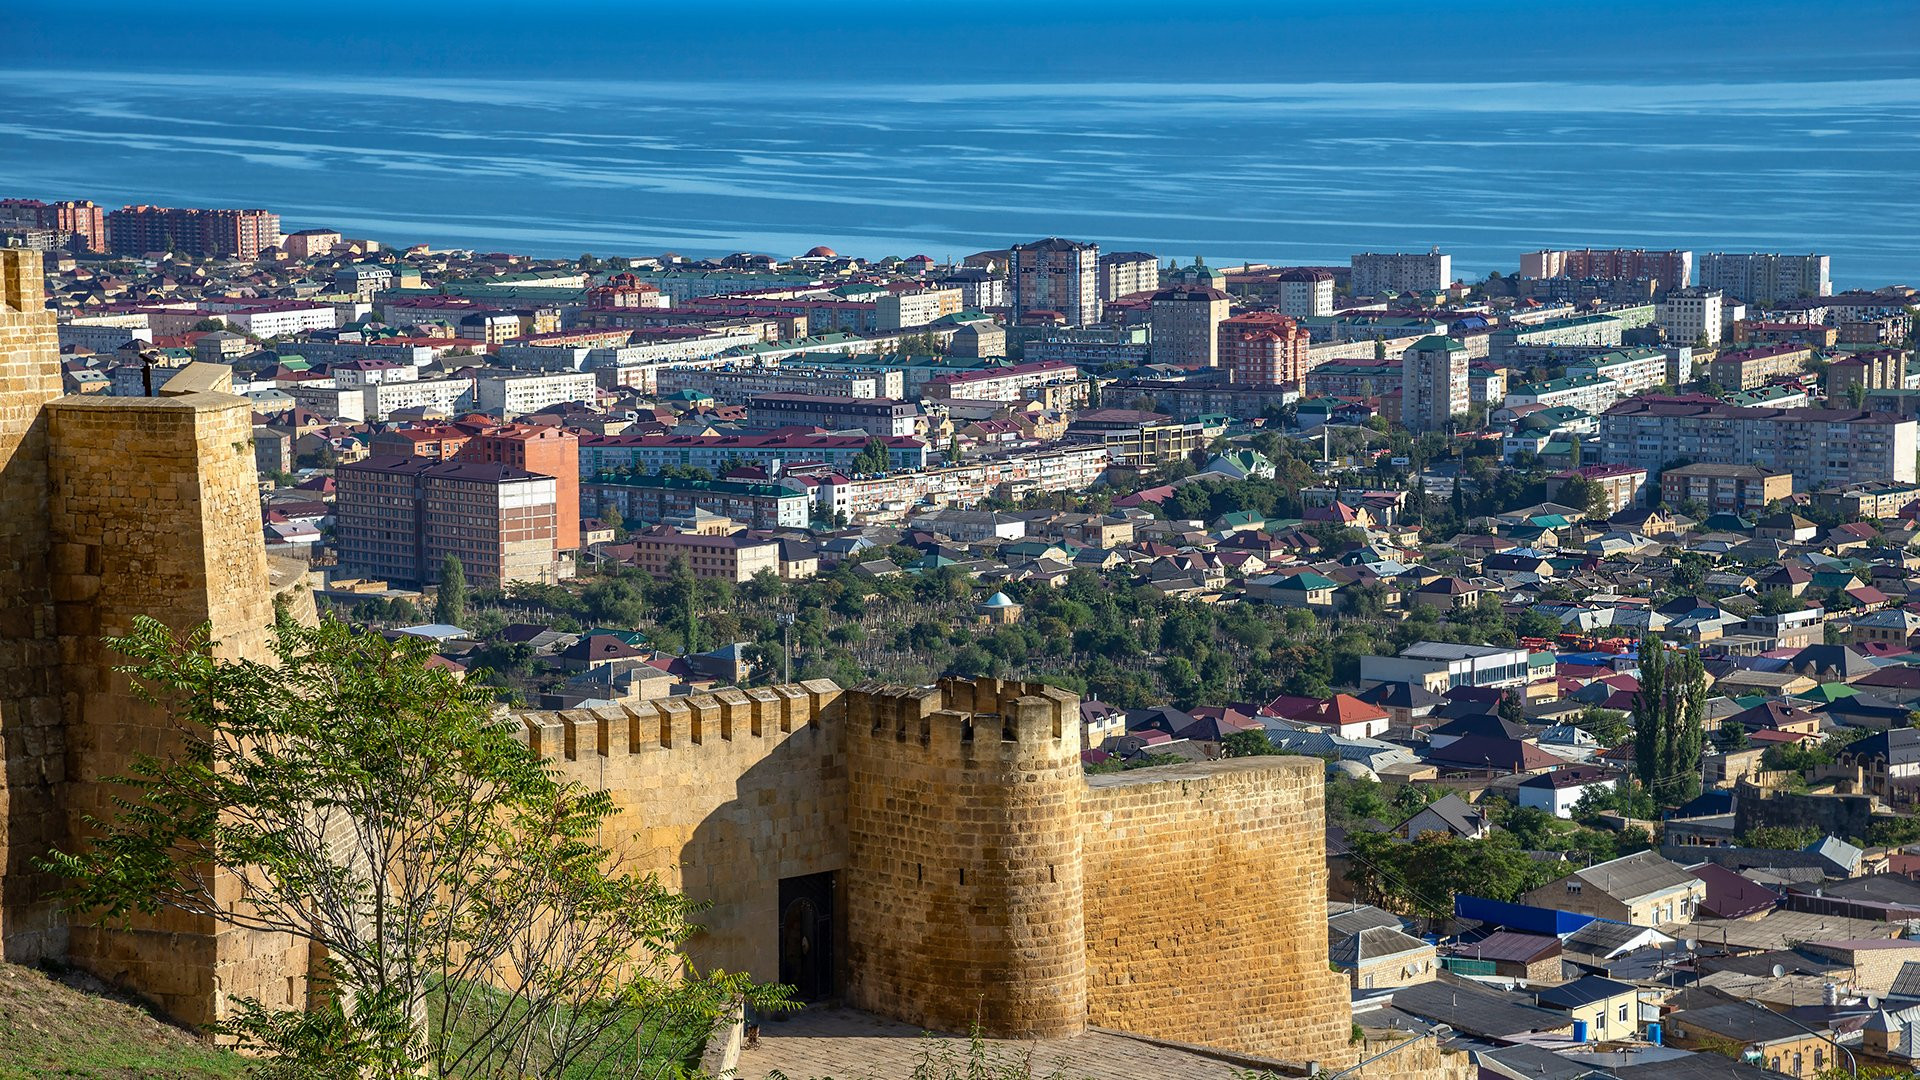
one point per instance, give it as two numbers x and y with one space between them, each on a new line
1608 727
351 796
450 606
1731 736
1668 712
1247 744
872 459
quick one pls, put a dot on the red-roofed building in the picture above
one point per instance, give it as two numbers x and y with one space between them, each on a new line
1346 716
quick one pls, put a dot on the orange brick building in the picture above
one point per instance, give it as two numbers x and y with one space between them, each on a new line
549 451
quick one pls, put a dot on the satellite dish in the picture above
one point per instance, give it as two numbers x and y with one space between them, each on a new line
1688 944
1778 971
1873 1001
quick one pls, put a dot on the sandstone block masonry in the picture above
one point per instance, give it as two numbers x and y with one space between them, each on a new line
111 508
977 875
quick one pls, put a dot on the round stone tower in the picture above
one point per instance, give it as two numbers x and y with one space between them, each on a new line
964 857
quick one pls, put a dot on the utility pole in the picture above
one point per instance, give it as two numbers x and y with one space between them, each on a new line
786 647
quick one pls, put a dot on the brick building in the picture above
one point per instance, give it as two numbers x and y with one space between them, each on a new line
73 221
399 518
232 234
1262 348
548 451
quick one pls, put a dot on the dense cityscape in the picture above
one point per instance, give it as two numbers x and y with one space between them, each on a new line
1589 582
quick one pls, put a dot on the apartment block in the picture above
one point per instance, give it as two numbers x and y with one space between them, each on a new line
1186 324
1635 371
1125 273
1765 279
1818 446
604 453
1264 348
883 417
399 518
1588 393
1433 384
1671 269
1744 369
736 558
1378 274
546 451
229 234
1693 316
651 500
1737 489
1880 369
508 394
73 222
1055 275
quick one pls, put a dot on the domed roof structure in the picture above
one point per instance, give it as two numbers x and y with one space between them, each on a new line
998 599
821 251
1352 770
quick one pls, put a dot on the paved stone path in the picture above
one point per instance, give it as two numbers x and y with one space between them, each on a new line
845 1044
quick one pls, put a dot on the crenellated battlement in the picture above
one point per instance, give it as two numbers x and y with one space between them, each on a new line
725 716
968 719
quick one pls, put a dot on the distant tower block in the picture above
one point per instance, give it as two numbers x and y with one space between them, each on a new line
964 856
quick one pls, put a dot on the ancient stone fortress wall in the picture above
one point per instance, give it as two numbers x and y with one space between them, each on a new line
964 866
981 876
154 511
111 508
32 721
723 795
1206 907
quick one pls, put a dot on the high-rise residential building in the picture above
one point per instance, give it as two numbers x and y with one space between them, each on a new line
1672 269
1055 275
1124 273
1818 446
1263 348
1185 321
1433 383
398 518
1765 279
543 449
1305 291
1879 369
1692 316
220 234
76 221
1376 274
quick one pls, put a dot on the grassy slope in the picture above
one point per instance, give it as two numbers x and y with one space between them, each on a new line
54 1026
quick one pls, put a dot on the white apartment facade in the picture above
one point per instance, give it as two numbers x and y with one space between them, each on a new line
1688 316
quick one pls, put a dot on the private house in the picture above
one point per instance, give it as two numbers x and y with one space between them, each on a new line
1556 792
1609 1008
1532 958
1449 815
1642 889
1384 956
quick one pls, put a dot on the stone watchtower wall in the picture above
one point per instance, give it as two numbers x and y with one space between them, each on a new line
154 511
964 857
32 734
111 508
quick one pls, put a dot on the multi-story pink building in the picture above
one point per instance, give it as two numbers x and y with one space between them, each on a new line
236 234
1263 348
70 218
1671 268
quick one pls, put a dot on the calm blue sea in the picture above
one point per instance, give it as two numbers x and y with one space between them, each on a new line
1819 157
